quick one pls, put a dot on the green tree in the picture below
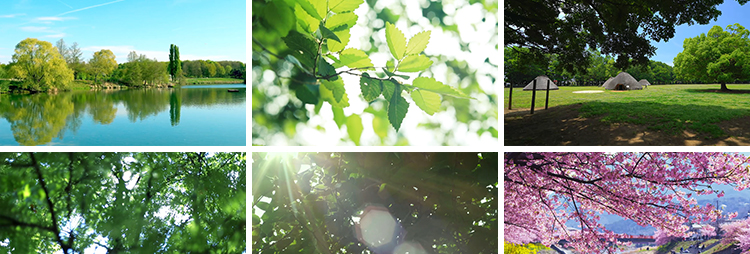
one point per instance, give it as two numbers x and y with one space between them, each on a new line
220 71
620 28
40 66
720 56
138 202
322 203
102 63
175 65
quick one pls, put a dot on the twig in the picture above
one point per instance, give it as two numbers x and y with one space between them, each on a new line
265 49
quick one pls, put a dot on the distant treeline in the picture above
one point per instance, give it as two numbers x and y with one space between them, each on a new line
38 66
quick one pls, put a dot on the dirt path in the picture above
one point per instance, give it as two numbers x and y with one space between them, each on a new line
563 126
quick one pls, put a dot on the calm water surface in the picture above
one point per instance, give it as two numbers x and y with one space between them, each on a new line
188 116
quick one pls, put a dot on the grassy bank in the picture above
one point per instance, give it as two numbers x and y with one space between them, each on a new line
210 81
667 108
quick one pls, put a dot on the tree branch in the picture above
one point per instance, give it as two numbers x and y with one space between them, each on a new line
55 227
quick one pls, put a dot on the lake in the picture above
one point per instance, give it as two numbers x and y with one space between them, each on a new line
198 115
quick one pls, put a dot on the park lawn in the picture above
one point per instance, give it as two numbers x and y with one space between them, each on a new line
665 108
206 81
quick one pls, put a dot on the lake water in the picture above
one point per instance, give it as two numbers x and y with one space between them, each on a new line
189 116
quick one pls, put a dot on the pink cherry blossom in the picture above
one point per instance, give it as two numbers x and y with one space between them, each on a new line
544 191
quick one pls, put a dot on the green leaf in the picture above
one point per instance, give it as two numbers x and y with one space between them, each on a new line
341 21
335 46
354 127
432 85
314 8
303 48
414 63
264 206
428 101
337 87
280 17
338 116
305 22
256 220
338 6
318 106
397 108
371 88
293 60
308 94
418 43
396 40
380 126
334 93
388 87
26 192
391 74
354 58
327 33
326 70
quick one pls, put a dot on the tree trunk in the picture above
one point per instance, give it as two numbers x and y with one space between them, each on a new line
724 86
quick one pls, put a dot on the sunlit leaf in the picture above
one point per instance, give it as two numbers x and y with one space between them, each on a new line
428 101
338 116
314 8
341 21
354 127
414 63
305 22
418 43
338 6
354 58
396 40
430 84
334 93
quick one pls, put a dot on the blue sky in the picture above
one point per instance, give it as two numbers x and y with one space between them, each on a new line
202 29
731 13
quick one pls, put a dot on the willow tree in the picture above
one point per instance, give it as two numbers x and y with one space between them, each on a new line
40 65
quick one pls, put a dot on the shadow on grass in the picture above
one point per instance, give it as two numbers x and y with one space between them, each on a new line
629 123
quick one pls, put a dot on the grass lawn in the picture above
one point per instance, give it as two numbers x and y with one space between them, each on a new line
668 110
206 81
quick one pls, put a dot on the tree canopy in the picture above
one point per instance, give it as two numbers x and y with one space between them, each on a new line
102 63
40 65
545 191
717 56
623 28
375 203
361 73
122 202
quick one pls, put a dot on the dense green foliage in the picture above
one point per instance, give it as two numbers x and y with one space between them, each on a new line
718 56
122 202
521 66
102 64
308 64
623 28
40 66
72 56
316 202
141 71
210 69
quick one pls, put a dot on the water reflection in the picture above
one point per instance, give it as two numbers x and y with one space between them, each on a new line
39 118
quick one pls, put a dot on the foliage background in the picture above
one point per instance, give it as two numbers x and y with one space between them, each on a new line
463 47
123 202
446 202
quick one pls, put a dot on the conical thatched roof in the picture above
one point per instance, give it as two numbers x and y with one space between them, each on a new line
644 82
605 82
622 81
541 84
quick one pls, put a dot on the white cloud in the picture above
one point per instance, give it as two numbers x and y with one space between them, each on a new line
49 20
35 29
12 15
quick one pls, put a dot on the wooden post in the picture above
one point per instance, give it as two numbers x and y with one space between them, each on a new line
546 101
510 97
533 95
